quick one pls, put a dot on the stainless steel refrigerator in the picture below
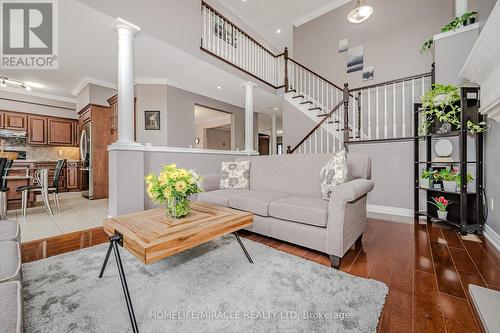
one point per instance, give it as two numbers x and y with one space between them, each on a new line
86 160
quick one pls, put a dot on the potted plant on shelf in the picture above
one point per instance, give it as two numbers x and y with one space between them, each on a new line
442 112
172 187
458 22
449 179
442 204
426 178
458 180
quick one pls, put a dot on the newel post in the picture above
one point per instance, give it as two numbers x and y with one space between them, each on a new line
346 114
285 54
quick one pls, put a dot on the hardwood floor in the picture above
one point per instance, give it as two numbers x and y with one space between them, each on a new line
426 266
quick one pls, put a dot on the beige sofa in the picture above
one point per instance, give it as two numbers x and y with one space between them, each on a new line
285 198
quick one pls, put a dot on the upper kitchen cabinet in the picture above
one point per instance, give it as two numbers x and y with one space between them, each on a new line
2 119
15 121
61 132
37 130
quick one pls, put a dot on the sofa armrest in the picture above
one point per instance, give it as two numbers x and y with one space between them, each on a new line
210 182
352 190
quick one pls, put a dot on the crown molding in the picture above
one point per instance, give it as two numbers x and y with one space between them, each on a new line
38 94
86 80
317 13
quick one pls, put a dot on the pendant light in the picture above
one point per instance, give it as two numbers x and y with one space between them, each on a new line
360 13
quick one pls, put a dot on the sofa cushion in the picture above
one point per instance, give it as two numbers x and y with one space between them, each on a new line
11 314
254 201
10 261
235 175
304 209
9 230
217 197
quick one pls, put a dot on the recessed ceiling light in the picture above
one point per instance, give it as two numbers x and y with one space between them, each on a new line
219 87
244 0
275 109
278 31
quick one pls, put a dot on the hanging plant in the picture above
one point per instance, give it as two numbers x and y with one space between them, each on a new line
459 21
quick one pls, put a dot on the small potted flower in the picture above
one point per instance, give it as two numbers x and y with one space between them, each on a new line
469 178
442 204
449 179
426 178
172 187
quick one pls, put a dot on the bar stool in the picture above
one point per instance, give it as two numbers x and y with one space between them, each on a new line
40 184
55 185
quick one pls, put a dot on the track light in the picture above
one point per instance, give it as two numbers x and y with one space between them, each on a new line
5 80
3 84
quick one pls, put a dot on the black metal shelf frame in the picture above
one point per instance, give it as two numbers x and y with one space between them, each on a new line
469 217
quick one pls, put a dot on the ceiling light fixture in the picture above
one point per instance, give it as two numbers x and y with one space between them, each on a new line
278 31
6 80
219 87
360 13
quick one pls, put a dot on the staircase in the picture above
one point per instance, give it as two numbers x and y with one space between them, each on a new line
380 112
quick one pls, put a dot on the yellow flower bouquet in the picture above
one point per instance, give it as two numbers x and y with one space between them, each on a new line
173 186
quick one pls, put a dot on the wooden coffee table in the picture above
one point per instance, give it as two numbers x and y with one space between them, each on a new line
151 236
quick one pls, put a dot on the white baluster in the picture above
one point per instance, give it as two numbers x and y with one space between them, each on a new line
394 132
412 102
321 129
369 118
377 128
385 111
403 123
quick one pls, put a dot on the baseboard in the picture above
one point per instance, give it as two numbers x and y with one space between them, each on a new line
390 210
492 236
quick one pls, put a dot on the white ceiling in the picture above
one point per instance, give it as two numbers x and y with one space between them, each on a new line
88 49
266 16
203 115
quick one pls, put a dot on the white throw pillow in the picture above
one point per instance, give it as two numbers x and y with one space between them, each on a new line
333 173
235 175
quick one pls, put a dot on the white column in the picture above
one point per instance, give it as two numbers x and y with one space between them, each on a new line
249 145
273 135
460 7
126 78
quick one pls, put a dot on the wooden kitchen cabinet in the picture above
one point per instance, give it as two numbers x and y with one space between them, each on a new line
37 130
76 133
72 176
60 132
2 119
16 121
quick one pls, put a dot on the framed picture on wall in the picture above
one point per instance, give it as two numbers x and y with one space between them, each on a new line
151 120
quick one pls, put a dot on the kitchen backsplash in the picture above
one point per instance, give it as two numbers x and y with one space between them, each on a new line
48 153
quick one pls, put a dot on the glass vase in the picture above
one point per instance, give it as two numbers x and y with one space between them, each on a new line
178 207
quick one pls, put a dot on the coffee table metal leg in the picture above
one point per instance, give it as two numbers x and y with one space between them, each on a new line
243 247
105 263
114 241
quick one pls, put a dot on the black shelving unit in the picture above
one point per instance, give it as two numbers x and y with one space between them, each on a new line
467 210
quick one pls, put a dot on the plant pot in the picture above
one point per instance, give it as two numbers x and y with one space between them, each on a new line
469 21
450 186
178 207
424 183
442 215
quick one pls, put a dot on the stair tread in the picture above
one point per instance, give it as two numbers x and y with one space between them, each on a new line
306 102
316 108
298 96
322 115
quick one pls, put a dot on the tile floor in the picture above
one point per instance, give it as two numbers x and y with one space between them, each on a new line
77 213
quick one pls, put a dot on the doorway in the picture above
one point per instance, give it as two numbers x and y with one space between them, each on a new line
214 129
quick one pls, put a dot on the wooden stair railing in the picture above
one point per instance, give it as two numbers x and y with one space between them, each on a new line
317 127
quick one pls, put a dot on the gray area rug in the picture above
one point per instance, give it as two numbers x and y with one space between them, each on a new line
211 288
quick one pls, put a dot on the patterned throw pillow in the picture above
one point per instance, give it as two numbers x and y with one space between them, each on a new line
235 175
333 173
